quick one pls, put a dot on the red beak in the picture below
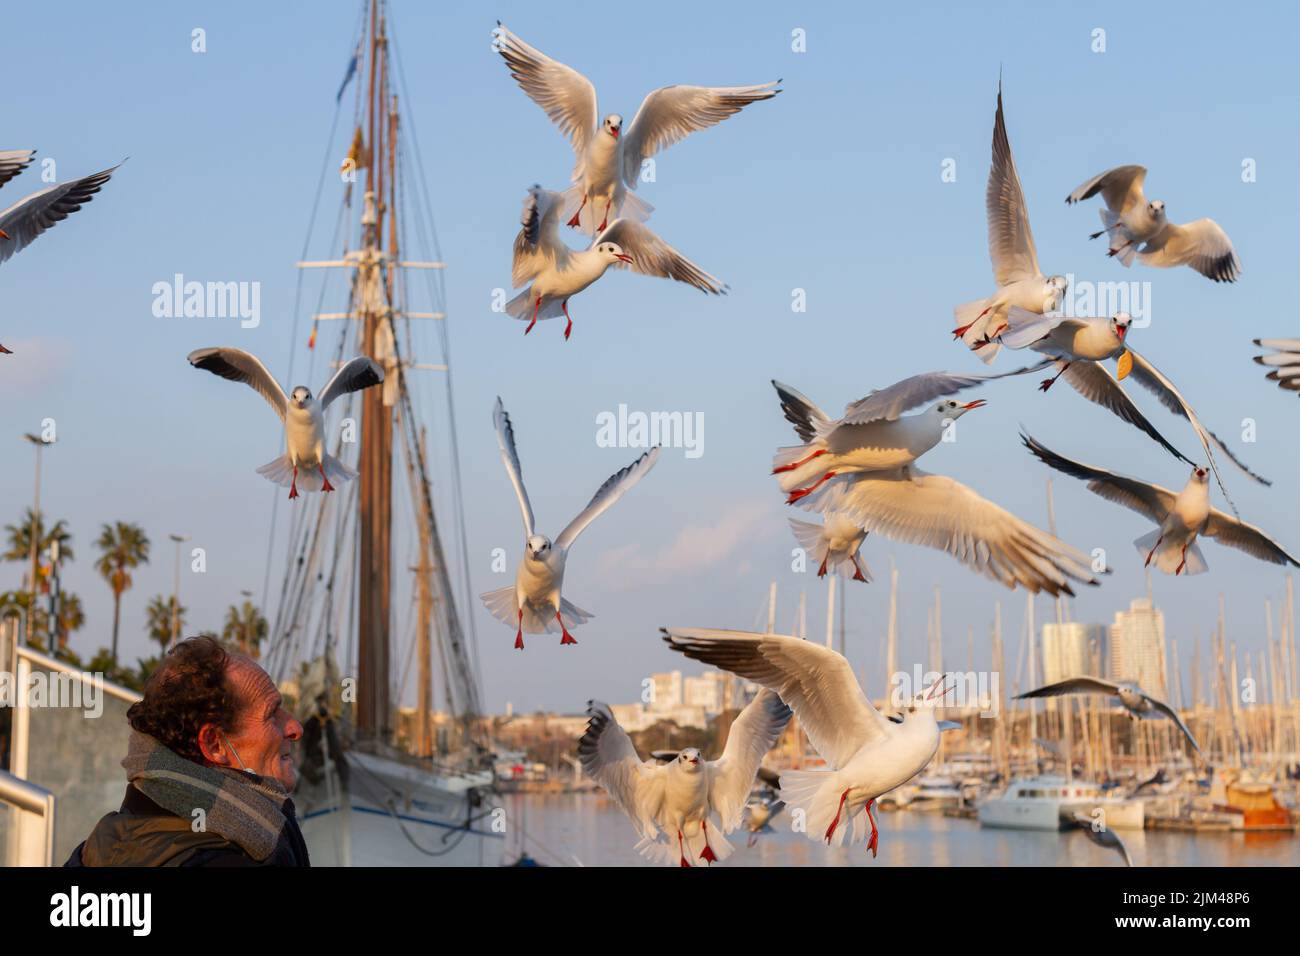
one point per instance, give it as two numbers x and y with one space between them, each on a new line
5 351
614 133
623 257
978 403
1123 331
3 234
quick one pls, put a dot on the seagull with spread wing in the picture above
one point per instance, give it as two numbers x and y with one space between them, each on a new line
1284 363
608 160
1137 702
534 603
1181 517
306 461
868 754
554 272
864 470
1011 247
672 803
32 215
1079 346
1132 222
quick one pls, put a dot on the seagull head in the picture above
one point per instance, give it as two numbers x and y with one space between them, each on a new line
1157 208
1119 324
301 396
538 545
613 125
689 760
1058 284
1200 475
949 410
613 252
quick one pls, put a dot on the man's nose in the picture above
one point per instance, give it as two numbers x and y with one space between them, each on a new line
293 729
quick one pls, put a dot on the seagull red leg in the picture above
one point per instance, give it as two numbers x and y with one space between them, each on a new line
801 461
857 571
568 328
519 634
707 854
603 222
574 221
293 485
326 486
680 852
875 834
805 492
830 830
821 572
1183 563
536 305
1147 563
567 638
1049 382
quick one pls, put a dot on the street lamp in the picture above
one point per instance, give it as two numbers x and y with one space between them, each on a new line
40 444
176 587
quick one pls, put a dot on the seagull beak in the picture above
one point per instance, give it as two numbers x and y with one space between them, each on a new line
938 687
614 132
5 351
3 234
978 403
624 258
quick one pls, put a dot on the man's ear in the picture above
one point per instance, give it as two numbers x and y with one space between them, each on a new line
213 746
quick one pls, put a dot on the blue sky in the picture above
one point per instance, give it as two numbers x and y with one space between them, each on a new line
834 187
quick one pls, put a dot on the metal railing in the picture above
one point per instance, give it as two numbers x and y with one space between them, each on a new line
31 827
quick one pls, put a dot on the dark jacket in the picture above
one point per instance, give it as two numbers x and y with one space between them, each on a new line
142 833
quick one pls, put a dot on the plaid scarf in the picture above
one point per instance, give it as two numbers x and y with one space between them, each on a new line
244 808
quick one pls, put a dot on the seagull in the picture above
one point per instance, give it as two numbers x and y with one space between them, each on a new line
608 161
28 218
1285 361
303 416
834 546
534 603
1011 247
680 797
555 272
1103 836
1137 702
1181 517
1078 347
759 814
872 435
867 753
1132 221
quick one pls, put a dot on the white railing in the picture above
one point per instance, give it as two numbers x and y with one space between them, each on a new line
30 834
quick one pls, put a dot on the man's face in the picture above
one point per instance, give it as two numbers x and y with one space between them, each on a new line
263 729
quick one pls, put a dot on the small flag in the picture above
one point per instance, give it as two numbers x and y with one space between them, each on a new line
358 154
347 77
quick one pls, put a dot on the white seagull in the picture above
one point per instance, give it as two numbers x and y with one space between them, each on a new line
1137 702
303 416
873 434
608 160
833 546
867 753
1181 517
30 216
1284 362
555 273
672 803
534 604
1011 247
1131 221
1102 835
1079 346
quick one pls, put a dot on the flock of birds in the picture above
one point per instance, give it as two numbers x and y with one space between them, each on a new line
859 471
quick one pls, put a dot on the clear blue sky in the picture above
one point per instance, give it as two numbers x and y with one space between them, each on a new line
834 187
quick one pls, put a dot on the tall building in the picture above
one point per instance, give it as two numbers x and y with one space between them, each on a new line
706 691
1070 649
1137 647
667 691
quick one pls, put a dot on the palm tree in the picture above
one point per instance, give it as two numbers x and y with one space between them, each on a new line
122 546
158 617
70 618
19 544
245 628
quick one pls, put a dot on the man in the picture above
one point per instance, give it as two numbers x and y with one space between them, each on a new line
209 770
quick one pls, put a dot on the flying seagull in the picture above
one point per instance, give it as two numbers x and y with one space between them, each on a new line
1135 700
1102 835
554 273
534 604
32 215
1182 517
608 160
868 754
303 416
1011 247
1131 221
863 467
672 803
1284 362
1078 347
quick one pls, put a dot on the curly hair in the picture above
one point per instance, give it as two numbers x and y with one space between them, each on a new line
187 691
